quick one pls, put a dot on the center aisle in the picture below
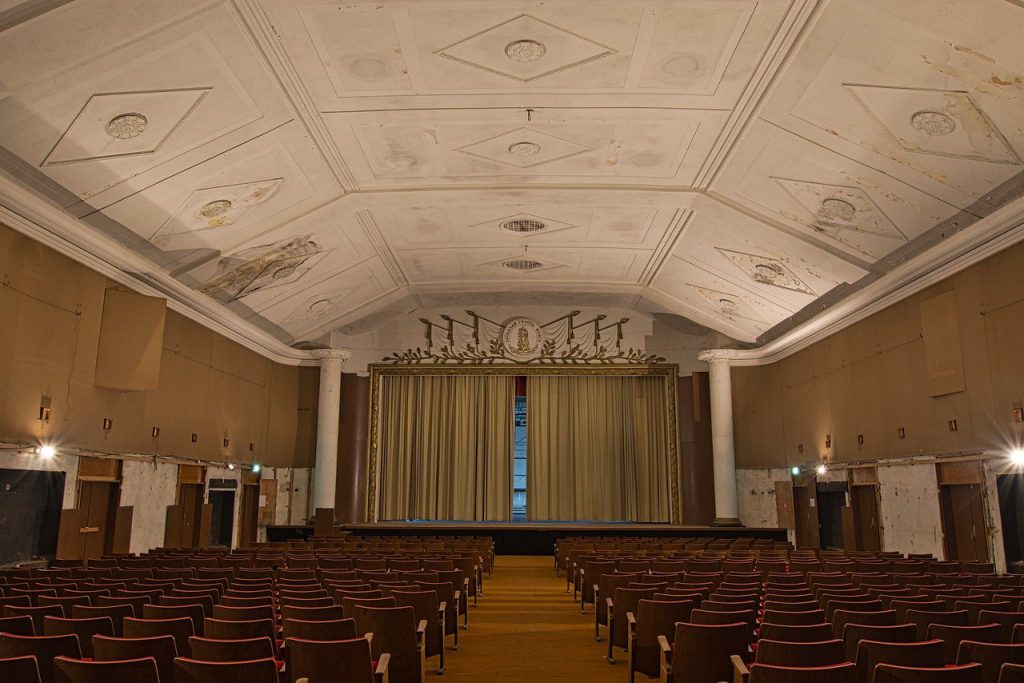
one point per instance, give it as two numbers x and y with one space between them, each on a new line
528 629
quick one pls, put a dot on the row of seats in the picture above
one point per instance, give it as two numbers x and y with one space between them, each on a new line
198 623
794 626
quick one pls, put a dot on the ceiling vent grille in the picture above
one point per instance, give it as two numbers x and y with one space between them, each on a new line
522 264
522 226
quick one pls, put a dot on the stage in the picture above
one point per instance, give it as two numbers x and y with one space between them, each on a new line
531 538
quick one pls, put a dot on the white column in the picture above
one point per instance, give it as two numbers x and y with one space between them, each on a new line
325 473
722 440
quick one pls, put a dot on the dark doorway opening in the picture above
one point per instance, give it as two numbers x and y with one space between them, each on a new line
831 501
1011 511
222 517
30 505
804 518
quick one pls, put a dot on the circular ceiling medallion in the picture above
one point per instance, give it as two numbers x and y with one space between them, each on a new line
523 149
681 67
522 264
523 225
933 123
368 67
127 126
524 51
402 160
521 338
320 307
837 210
215 208
728 305
766 272
284 271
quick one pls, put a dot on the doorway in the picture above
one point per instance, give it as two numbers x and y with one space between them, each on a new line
963 522
222 516
866 529
30 503
249 514
1011 510
97 502
806 521
831 501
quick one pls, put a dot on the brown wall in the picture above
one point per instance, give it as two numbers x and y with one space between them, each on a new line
51 307
879 375
350 497
697 471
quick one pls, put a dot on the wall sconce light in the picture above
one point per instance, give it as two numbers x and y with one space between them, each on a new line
1018 414
195 437
901 432
156 432
860 439
952 425
44 413
799 448
795 470
226 442
822 470
828 441
108 424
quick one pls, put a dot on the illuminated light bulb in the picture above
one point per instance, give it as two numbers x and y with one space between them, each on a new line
256 467
47 451
1017 456
822 470
231 466
795 471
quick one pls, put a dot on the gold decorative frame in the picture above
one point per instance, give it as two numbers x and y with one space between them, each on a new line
670 371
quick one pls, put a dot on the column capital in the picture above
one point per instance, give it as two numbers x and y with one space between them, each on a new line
331 354
717 355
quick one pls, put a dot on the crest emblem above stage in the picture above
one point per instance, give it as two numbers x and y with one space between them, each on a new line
522 338
519 340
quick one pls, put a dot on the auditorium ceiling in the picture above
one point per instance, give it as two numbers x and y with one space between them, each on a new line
284 168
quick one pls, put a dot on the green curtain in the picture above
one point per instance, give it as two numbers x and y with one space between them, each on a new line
445 447
597 448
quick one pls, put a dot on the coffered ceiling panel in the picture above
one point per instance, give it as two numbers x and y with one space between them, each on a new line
829 198
684 49
606 146
183 94
909 96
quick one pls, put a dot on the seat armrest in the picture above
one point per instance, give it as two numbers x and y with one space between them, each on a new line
382 663
442 608
630 621
666 658
369 637
421 630
609 603
740 672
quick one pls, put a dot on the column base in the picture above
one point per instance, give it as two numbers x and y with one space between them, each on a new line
726 521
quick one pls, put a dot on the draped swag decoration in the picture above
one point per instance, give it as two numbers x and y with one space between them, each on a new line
446 446
598 448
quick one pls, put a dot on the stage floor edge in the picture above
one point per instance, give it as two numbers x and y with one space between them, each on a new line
532 538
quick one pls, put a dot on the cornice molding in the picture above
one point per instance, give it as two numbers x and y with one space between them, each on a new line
340 354
988 236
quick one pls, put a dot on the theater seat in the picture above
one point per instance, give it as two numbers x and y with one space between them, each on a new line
890 673
122 671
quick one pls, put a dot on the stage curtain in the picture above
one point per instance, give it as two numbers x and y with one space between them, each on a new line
446 446
597 448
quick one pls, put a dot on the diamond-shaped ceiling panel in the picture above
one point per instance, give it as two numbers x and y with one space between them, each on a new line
524 148
124 124
941 122
767 271
524 225
211 208
525 48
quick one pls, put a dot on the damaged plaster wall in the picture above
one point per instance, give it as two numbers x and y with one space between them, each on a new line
148 488
909 509
756 499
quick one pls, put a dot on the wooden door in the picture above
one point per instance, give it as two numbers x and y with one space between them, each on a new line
806 518
866 529
249 515
965 532
97 502
188 511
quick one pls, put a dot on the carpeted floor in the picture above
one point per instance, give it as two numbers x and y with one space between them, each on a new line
527 629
